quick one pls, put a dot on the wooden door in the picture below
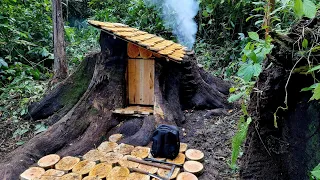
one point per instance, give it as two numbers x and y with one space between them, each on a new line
141 81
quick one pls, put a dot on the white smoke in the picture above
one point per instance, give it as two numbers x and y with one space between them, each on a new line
179 16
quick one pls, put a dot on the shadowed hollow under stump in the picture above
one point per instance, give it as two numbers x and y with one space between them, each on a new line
81 109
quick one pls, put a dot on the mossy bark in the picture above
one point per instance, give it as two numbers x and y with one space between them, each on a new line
291 150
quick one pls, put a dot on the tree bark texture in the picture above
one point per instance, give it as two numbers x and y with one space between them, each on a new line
79 109
60 62
290 151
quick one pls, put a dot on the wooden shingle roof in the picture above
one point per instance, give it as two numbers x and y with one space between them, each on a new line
166 48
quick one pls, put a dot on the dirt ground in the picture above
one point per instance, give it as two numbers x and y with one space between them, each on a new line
212 135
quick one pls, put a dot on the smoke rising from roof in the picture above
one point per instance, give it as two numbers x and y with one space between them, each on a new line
179 16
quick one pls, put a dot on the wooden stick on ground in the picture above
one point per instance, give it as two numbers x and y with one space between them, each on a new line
149 163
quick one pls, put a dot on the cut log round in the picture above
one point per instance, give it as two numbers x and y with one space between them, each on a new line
32 173
148 168
71 176
193 167
93 155
54 172
138 176
107 146
133 50
178 160
118 173
124 149
67 163
91 178
48 161
165 172
83 167
186 176
144 53
183 147
141 152
115 137
49 178
129 164
158 158
101 170
194 155
111 158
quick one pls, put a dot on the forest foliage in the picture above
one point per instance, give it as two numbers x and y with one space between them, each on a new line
231 43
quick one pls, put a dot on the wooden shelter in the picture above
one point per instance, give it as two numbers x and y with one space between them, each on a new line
143 49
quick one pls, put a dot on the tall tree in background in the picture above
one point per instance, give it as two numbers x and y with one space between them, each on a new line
60 63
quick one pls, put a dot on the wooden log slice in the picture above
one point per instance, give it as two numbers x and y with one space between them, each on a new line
93 155
107 146
111 158
183 147
178 160
101 170
141 152
128 164
186 176
71 176
48 178
91 178
67 163
118 173
165 172
48 161
124 149
83 167
193 167
194 155
158 158
54 172
138 176
133 50
32 173
148 168
145 53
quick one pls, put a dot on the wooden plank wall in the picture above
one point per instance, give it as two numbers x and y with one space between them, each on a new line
141 81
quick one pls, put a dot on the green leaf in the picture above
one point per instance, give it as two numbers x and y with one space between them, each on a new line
305 43
40 128
309 9
3 63
298 8
314 68
253 35
316 172
312 87
20 143
232 89
205 13
247 71
235 97
316 93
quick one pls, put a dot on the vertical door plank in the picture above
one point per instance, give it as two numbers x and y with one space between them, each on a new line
141 81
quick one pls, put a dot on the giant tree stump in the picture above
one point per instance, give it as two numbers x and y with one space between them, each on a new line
80 108
290 151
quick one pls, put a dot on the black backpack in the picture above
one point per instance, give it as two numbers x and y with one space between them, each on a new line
166 142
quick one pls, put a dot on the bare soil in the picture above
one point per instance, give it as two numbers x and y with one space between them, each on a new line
212 135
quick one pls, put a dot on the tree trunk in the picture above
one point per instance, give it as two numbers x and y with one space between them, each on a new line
80 108
290 151
60 62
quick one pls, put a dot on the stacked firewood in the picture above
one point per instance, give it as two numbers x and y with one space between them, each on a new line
113 161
